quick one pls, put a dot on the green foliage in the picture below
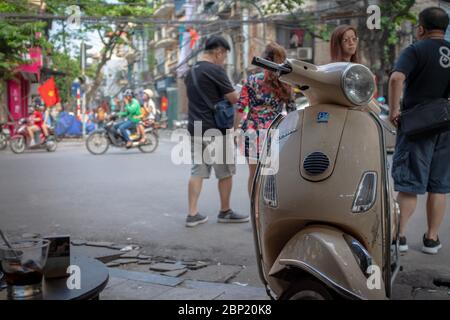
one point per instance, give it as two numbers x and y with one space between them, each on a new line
17 37
111 32
281 6
394 15
71 67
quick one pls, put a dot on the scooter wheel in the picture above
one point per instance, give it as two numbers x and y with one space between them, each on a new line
97 143
51 146
152 143
3 141
17 145
307 289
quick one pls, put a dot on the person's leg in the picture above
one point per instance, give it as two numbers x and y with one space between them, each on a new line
45 130
141 133
123 128
251 176
194 190
31 130
225 186
407 203
436 205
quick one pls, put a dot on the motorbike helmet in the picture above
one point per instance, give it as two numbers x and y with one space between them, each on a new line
128 93
149 93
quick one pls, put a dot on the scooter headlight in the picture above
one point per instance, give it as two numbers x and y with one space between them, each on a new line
358 84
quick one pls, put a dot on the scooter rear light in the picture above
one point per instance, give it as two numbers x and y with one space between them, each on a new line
270 191
366 193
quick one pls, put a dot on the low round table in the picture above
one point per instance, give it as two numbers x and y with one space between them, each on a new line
94 278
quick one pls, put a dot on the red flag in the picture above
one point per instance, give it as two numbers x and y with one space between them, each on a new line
194 37
164 104
49 92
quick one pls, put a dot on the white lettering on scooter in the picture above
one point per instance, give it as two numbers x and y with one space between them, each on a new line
374 281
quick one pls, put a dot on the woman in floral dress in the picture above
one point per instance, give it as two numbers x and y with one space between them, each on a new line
263 97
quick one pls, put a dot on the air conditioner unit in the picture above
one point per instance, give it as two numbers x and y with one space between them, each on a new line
304 53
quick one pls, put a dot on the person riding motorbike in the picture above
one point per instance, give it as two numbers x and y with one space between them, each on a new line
146 111
36 123
133 114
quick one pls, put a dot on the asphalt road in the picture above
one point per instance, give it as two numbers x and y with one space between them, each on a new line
130 197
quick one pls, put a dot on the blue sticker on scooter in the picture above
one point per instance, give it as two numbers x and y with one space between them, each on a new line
323 117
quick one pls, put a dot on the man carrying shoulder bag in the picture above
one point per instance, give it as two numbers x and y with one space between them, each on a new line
421 161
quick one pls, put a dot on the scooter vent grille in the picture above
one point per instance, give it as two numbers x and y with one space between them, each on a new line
316 163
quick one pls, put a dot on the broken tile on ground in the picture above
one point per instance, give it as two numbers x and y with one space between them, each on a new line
133 254
104 255
145 277
197 265
175 273
166 267
214 273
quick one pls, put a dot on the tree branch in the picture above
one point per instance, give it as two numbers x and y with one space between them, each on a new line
101 37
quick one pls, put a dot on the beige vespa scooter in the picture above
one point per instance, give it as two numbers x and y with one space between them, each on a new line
326 221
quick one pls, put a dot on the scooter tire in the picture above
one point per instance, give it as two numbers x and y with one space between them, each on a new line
51 146
90 143
307 289
17 145
3 141
153 143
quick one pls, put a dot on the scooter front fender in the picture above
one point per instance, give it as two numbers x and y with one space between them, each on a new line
324 253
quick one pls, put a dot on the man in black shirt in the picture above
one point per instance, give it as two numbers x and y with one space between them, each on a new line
215 85
422 165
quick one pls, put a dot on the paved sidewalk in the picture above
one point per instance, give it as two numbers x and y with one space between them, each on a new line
132 285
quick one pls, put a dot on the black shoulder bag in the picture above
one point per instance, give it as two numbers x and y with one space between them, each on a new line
426 118
223 110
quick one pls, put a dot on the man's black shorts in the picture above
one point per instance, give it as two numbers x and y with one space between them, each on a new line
422 165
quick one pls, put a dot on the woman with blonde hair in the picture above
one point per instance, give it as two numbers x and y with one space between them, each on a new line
264 96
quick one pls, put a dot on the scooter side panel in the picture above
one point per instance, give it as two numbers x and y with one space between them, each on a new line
323 252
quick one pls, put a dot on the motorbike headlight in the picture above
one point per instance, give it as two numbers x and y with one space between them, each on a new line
358 84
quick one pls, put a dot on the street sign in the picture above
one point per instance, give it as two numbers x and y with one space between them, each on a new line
75 86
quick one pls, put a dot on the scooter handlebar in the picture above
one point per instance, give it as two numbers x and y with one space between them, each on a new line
271 66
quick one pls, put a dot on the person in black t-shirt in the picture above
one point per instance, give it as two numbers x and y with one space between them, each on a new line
215 85
422 165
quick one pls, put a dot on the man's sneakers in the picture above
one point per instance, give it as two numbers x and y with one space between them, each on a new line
192 221
402 245
431 246
231 217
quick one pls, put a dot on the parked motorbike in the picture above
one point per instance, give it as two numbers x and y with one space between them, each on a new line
20 141
98 141
326 222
